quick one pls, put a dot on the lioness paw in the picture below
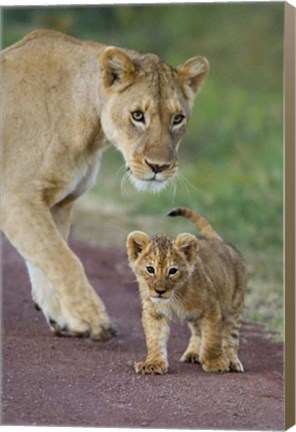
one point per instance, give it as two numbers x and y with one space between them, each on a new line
145 367
190 357
105 333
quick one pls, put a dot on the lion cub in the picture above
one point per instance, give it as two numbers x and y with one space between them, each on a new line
199 280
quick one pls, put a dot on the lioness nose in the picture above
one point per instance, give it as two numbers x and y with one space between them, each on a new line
157 168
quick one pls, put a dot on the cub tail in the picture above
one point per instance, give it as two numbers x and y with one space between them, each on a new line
201 223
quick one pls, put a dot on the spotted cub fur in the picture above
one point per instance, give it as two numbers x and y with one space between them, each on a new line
197 280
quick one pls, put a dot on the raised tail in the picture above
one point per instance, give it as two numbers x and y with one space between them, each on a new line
202 224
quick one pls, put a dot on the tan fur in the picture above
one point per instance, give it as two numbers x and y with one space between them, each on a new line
206 290
62 99
201 223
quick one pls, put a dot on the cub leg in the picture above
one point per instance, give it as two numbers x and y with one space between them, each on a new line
231 340
156 331
191 355
212 356
30 227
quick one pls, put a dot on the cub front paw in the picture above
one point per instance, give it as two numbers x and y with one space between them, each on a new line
190 357
146 367
218 365
236 365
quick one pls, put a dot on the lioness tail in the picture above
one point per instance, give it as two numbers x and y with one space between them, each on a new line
202 224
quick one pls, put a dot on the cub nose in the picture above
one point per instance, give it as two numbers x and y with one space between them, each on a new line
159 291
156 168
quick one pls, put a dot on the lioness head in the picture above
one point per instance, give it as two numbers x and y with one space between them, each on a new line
145 111
162 265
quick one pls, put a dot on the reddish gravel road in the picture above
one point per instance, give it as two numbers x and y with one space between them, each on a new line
47 380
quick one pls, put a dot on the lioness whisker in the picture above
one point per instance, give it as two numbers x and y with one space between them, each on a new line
123 183
186 182
174 183
120 169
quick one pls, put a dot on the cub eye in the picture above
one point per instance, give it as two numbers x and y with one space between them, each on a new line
150 269
178 118
138 116
173 270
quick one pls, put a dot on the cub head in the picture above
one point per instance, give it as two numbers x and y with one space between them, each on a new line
145 111
162 265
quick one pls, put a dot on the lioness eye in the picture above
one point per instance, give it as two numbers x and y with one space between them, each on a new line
150 269
173 270
178 118
138 116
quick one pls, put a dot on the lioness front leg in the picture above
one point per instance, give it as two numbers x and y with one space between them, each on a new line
31 229
156 331
44 296
46 299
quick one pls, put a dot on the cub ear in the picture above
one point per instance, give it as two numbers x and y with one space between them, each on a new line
116 67
193 72
136 243
188 245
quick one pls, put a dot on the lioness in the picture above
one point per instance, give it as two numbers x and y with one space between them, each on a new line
62 100
198 280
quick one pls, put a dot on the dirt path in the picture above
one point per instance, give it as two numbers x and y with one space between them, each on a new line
47 380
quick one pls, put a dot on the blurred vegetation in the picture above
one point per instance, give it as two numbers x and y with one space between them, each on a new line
232 155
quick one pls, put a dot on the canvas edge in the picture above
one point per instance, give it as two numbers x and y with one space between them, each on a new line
289 124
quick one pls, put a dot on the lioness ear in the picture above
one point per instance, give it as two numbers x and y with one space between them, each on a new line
193 72
188 245
136 243
116 67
